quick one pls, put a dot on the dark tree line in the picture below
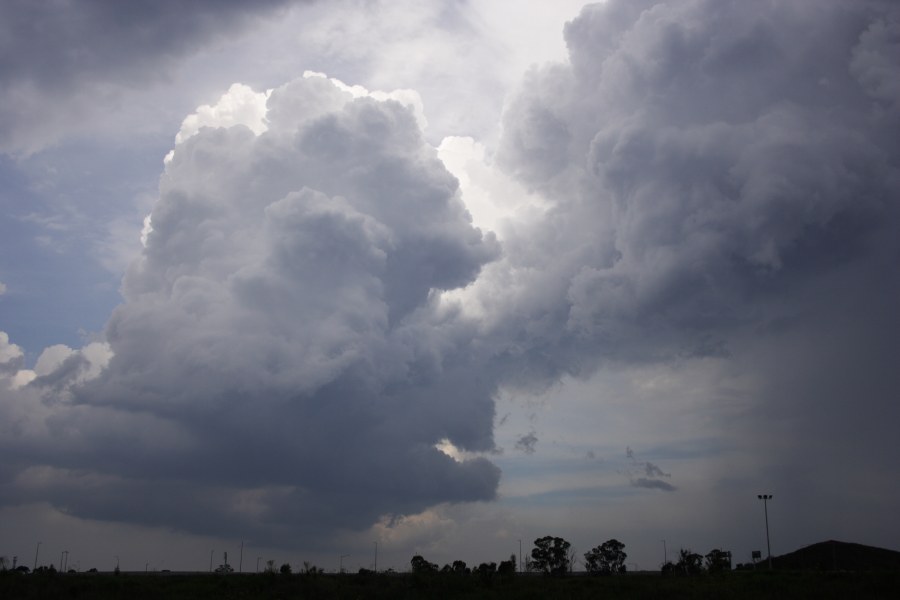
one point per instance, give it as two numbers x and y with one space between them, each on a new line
553 556
691 563
421 566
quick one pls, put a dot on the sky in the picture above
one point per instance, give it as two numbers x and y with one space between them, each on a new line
300 280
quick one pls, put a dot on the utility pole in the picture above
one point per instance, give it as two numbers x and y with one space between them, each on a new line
665 554
765 498
36 556
376 557
241 560
210 559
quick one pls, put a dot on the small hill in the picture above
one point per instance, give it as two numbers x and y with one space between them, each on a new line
839 556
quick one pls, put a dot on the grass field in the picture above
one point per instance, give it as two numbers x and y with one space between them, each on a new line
885 584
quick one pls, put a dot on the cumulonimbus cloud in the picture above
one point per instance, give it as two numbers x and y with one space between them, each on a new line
281 328
287 355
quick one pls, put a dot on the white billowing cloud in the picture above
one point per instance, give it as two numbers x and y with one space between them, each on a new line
51 359
10 354
286 298
95 355
240 105
36 413
146 228
407 97
58 367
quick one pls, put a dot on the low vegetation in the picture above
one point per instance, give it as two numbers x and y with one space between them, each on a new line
738 584
548 574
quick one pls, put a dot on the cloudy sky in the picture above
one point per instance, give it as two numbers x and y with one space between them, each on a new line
442 276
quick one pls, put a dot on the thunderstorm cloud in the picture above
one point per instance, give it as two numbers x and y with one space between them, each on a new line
314 310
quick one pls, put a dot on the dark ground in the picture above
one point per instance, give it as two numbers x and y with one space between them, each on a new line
745 584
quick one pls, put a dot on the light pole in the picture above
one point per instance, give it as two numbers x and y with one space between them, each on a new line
376 558
257 563
66 563
210 559
38 549
765 498
343 556
665 554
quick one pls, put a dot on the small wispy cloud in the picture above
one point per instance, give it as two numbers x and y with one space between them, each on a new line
527 442
653 484
652 477
653 471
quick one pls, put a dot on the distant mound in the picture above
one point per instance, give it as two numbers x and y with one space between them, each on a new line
839 556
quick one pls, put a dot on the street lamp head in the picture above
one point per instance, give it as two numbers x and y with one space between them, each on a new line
764 496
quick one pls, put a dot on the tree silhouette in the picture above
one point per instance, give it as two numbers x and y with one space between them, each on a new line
420 565
507 567
689 563
607 558
550 555
486 570
311 569
718 560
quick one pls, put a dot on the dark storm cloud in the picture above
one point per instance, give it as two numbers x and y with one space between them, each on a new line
725 180
83 54
701 172
56 43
